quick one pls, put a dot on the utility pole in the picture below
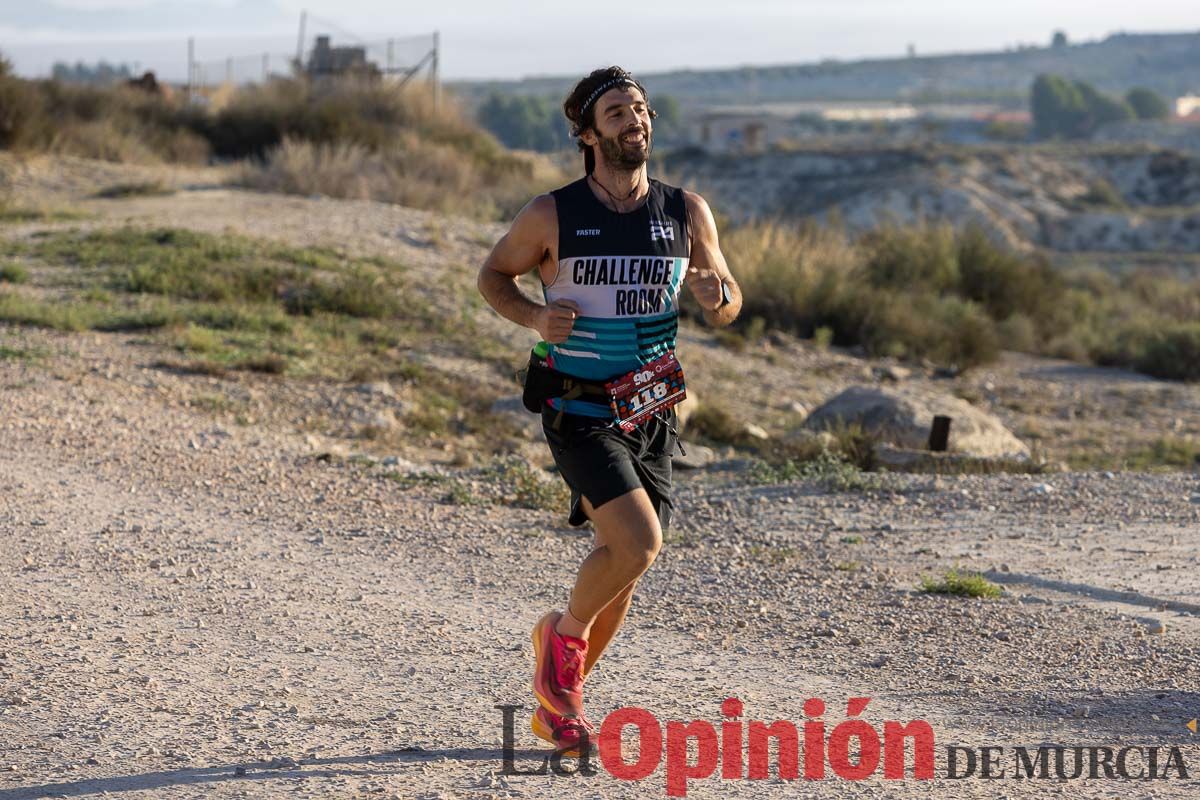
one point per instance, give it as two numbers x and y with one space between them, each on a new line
391 55
191 70
300 42
229 70
266 66
433 70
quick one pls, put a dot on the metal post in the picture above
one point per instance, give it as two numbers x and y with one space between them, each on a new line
939 434
433 70
300 43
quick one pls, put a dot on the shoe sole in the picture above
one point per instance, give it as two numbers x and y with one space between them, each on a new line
542 731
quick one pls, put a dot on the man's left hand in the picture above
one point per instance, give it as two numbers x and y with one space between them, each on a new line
706 286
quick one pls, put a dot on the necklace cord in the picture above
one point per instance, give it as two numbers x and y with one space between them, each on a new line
615 199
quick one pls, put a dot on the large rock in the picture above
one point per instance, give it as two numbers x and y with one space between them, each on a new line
698 456
903 418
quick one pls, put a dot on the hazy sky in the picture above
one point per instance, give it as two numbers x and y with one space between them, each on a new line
487 39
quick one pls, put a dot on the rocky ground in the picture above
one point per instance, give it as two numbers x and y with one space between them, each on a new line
206 601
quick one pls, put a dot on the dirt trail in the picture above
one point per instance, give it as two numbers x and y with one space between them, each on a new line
184 599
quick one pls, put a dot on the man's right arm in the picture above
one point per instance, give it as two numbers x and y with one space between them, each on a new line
519 251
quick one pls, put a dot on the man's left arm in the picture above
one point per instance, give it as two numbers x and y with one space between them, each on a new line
707 270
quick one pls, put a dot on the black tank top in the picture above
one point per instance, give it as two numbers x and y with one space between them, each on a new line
625 271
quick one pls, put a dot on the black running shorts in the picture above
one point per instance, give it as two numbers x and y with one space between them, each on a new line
602 463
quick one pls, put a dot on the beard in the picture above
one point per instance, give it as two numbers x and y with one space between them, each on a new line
625 157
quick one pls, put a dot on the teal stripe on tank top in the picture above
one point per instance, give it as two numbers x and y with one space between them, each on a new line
600 323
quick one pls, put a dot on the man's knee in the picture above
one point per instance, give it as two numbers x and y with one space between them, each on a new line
638 545
629 527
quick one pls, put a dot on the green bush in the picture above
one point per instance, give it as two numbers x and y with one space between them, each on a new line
901 258
1168 350
1073 109
1101 194
715 423
524 122
961 585
21 112
957 298
945 329
1148 104
1004 282
13 273
1058 107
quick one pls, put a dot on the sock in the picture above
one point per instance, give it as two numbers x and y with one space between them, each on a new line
579 642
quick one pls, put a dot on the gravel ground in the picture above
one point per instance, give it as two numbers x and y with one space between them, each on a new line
197 608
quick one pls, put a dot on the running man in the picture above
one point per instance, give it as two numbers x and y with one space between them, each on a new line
613 250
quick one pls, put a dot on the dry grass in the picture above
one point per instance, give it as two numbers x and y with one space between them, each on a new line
349 140
377 142
412 172
955 298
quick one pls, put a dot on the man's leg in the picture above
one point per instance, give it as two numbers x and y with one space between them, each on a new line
606 625
629 538
608 621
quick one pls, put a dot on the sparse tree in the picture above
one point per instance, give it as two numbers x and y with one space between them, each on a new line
1073 109
1057 106
1059 40
521 121
666 124
1148 104
1102 108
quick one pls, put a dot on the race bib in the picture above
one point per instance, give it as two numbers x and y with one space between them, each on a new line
652 387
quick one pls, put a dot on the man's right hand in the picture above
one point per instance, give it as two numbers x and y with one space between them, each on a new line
555 320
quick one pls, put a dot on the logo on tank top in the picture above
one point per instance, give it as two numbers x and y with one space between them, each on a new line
587 232
661 230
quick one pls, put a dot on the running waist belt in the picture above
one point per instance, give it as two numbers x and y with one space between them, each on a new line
542 382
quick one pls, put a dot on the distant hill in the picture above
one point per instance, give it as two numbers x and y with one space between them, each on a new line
1168 63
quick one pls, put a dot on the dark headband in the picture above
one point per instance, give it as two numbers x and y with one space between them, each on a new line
601 89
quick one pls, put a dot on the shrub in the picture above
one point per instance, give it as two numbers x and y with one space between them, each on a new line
13 273
902 258
1148 104
521 121
829 469
956 298
350 139
715 423
948 330
134 189
1101 194
1168 350
961 585
21 111
1073 109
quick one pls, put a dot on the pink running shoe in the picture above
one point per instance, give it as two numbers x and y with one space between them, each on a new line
564 733
558 668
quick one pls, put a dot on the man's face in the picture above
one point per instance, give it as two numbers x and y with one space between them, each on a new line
622 128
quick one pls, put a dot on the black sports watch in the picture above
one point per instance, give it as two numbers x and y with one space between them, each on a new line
726 295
